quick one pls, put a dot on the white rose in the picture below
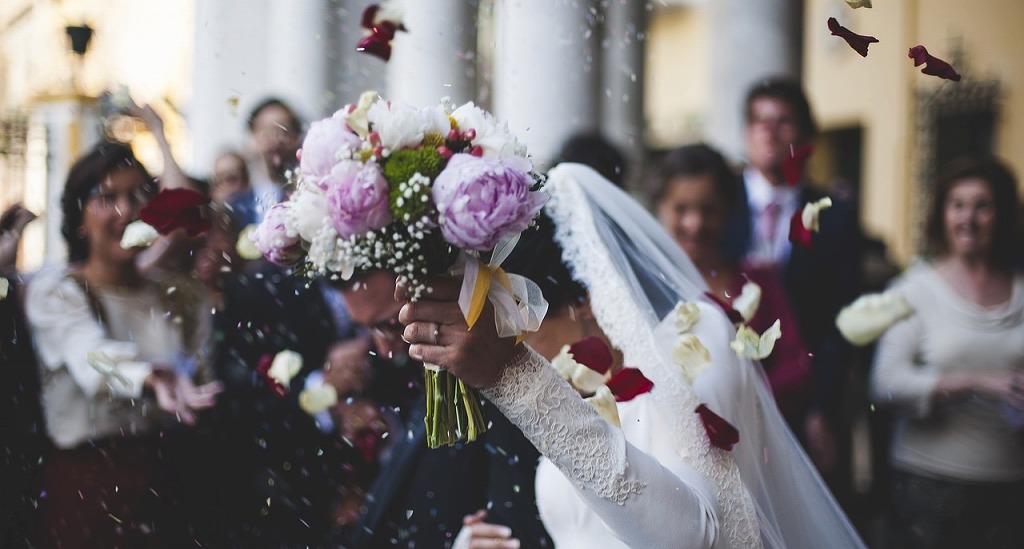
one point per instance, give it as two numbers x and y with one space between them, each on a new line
435 120
867 318
749 345
138 234
308 212
691 356
285 366
495 139
748 301
687 315
604 402
398 125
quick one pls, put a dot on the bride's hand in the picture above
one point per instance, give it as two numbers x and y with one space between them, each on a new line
437 333
477 534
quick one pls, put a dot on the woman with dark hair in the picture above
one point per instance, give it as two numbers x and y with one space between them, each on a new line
117 354
955 371
694 193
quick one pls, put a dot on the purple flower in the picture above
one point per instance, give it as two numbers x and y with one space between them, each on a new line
357 198
325 139
480 200
273 239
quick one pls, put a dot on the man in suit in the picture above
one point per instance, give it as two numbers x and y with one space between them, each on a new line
818 280
275 133
421 495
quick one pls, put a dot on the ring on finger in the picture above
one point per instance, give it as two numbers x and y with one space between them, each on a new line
436 333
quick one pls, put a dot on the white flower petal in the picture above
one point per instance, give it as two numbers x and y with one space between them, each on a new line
748 301
809 216
859 3
564 363
604 402
687 316
5 286
246 245
691 356
750 345
867 318
586 380
314 400
285 366
138 234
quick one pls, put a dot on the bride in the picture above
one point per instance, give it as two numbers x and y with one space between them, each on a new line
610 271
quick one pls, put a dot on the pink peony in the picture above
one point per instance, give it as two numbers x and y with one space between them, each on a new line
480 200
357 198
324 141
273 240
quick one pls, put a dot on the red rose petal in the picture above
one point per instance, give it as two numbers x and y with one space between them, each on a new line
794 164
174 209
858 42
798 234
720 432
628 383
376 45
592 352
933 66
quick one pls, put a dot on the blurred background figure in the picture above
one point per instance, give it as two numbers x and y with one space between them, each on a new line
954 371
819 280
118 356
694 193
275 134
594 150
230 177
23 442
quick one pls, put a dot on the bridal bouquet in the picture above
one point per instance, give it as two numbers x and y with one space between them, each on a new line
419 192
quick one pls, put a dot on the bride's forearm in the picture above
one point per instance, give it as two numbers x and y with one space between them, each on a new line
643 502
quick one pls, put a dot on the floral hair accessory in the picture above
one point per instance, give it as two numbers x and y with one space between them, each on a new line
858 42
933 66
174 209
420 192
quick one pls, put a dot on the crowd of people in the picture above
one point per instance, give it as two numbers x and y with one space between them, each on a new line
138 412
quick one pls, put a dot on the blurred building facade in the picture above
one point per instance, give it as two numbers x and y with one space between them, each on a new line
648 75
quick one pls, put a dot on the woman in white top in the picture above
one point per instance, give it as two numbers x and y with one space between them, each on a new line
117 352
954 371
658 481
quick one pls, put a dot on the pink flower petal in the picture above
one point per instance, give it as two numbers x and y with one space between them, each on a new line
592 352
933 66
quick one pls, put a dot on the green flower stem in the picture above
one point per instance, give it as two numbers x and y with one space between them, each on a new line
453 410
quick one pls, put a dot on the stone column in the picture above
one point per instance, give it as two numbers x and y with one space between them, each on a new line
622 105
352 72
750 40
72 127
546 71
436 58
296 55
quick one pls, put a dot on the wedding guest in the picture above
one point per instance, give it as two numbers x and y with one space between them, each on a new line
662 478
694 192
117 354
275 133
954 371
818 280
230 177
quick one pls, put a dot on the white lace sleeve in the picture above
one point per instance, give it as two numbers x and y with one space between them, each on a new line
644 503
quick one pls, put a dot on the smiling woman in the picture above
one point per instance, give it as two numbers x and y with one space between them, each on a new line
954 370
116 361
